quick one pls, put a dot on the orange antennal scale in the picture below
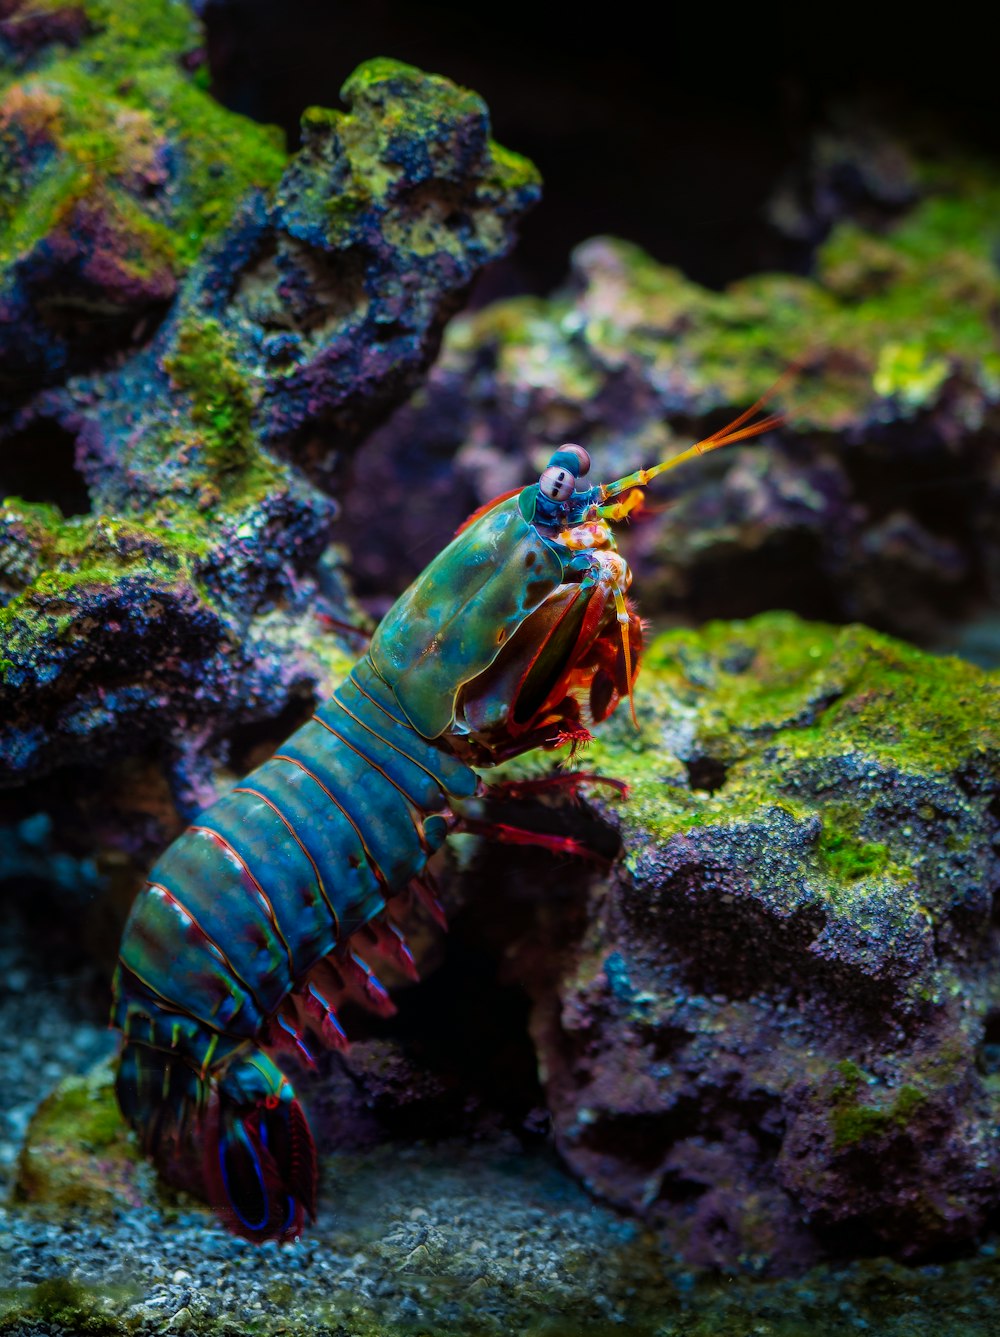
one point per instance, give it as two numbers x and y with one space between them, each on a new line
726 436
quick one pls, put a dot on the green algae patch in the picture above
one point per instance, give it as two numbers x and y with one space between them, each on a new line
900 706
778 680
765 675
48 565
117 128
202 364
64 1306
853 1119
848 858
79 1155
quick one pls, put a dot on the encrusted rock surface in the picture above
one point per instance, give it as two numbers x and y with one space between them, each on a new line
197 595
774 1034
117 167
876 501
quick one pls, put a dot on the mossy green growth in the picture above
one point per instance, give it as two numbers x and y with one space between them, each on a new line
215 460
45 559
853 1121
203 365
61 1305
848 858
779 679
840 733
398 113
98 125
79 1153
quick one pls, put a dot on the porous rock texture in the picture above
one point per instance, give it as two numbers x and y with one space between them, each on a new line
876 501
772 1032
195 594
116 168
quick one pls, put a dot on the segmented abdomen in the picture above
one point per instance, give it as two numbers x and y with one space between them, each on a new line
279 872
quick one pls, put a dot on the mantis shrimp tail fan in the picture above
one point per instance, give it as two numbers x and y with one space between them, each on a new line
259 1157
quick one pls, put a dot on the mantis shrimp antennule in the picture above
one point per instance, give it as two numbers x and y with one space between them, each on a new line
725 436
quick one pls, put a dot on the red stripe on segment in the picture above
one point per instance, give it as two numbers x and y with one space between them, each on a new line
375 734
418 826
245 789
221 840
212 943
380 876
377 704
172 1005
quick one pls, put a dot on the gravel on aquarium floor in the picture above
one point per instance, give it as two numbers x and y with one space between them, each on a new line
457 1238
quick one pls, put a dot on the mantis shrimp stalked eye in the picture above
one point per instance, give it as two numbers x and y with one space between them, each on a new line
250 931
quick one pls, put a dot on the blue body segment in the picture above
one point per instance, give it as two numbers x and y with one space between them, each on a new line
166 949
371 699
203 873
278 872
408 777
351 890
281 867
384 820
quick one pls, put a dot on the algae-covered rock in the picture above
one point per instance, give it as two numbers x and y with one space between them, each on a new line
326 300
773 1035
116 167
199 594
79 1156
876 501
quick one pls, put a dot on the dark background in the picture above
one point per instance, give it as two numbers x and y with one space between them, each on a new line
672 134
